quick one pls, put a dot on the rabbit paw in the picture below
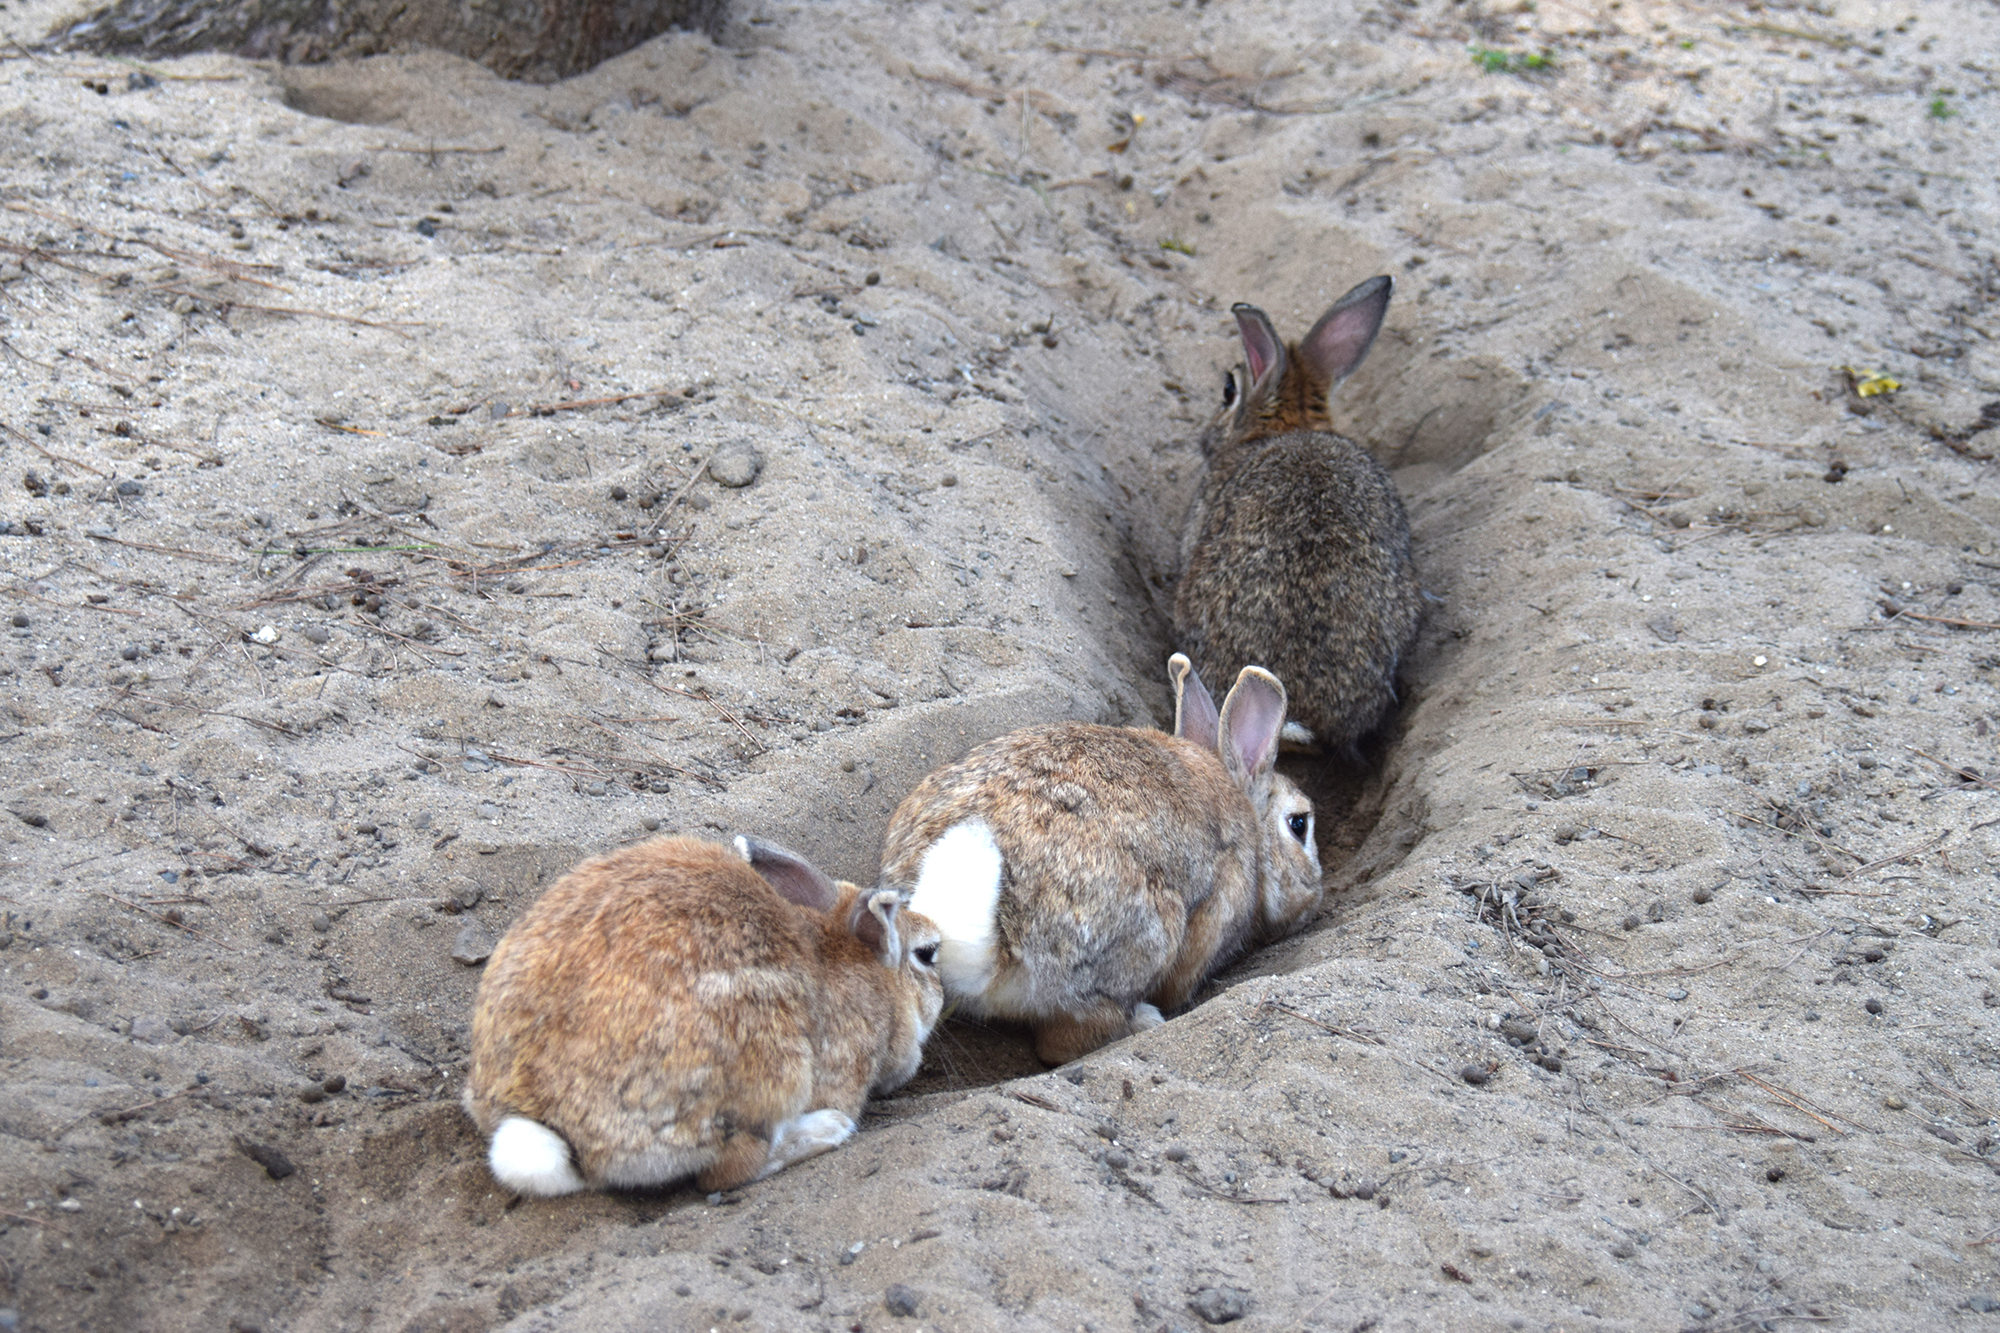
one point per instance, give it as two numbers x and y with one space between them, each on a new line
806 1136
1145 1017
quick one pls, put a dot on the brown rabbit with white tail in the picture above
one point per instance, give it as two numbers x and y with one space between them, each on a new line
1083 877
1296 553
681 1008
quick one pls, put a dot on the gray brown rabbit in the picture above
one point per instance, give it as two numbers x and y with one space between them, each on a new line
1083 877
1296 552
682 1008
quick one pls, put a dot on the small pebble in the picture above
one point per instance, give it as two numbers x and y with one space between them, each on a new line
1624 1249
1176 1154
1220 1305
321 922
1774 1174
1812 1015
473 946
1475 1074
651 823
901 1301
317 634
312 1092
618 492
1893 1102
1629 923
1704 894
267 635
736 464
19 620
488 810
335 1083
1873 1006
131 488
1117 1159
1677 994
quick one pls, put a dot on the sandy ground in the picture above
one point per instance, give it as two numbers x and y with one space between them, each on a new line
367 565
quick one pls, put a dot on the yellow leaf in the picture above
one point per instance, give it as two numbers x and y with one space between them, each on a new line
1868 383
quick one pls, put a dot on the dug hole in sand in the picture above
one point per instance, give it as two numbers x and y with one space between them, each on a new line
414 481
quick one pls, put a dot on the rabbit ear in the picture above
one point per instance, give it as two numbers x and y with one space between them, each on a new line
1195 717
1253 716
874 924
1341 339
1262 348
795 878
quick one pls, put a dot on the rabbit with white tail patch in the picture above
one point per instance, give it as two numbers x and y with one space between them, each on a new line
1296 552
680 1008
1083 878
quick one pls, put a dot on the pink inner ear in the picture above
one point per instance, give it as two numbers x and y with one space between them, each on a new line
1340 341
1253 716
1261 348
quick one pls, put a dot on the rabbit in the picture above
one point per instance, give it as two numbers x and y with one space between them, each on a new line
1296 550
1084 878
680 1008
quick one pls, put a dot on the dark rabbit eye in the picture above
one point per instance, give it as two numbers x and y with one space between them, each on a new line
1229 389
1298 824
927 955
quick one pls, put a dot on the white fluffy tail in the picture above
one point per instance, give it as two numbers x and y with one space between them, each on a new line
958 888
530 1158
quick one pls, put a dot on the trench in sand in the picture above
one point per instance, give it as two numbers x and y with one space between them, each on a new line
1425 420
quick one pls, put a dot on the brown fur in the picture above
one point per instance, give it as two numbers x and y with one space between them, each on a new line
666 996
1296 552
1136 864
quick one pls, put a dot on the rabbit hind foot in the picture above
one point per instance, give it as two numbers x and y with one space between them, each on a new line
1061 1038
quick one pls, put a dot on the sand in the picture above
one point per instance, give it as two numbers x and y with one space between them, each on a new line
368 566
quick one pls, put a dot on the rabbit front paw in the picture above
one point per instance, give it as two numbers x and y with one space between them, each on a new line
806 1136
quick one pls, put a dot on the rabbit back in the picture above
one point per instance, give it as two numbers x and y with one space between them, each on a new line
1298 560
663 1011
1065 862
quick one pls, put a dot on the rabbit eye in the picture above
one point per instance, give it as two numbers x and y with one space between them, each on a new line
1229 389
1299 825
927 955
